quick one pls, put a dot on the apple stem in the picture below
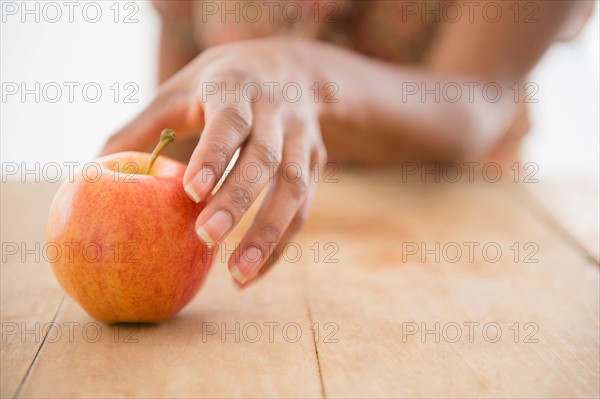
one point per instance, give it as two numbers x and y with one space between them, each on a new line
166 137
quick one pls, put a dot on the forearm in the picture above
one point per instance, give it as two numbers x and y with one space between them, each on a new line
373 95
177 47
377 102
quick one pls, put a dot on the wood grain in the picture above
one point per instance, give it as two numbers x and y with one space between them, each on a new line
574 205
197 354
376 299
354 294
29 295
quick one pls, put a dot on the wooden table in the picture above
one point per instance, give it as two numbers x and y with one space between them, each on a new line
359 314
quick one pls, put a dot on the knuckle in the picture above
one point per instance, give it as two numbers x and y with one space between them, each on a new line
241 198
270 233
222 71
237 119
297 187
220 152
235 74
266 152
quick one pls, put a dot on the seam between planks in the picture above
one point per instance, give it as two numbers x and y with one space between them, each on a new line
547 218
39 350
311 322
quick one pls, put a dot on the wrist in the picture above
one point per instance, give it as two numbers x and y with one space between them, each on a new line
324 79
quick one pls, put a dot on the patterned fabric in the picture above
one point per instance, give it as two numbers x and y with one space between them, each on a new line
398 31
394 30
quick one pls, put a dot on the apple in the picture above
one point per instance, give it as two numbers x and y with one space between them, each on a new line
121 239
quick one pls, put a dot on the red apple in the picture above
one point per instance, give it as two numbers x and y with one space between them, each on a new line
123 239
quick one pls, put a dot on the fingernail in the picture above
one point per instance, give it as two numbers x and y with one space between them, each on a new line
204 179
189 190
248 265
236 274
213 230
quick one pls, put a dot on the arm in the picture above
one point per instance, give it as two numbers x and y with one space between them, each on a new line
176 49
371 114
371 95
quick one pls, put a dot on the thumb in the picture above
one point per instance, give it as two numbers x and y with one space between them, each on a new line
138 135
179 111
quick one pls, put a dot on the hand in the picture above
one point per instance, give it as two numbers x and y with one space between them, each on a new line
280 141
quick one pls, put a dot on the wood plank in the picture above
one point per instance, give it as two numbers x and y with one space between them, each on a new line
375 299
360 305
575 205
181 358
29 295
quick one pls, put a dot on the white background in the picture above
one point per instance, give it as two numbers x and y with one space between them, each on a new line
564 140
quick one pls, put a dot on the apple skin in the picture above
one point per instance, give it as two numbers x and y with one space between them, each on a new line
125 247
